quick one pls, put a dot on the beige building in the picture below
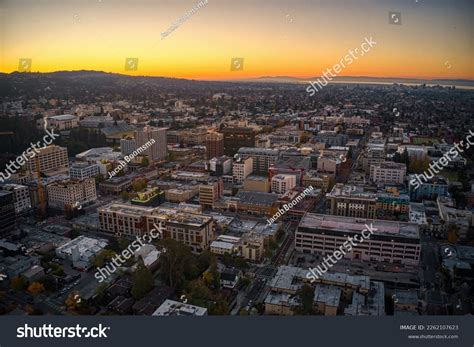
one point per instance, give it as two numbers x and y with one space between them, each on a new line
51 158
181 194
71 193
388 172
157 151
194 230
257 184
241 169
283 183
211 192
63 122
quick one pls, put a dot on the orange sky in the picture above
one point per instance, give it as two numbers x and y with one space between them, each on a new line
275 38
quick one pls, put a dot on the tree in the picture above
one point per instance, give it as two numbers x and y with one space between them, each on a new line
178 264
103 257
36 288
142 281
306 295
18 283
125 196
145 162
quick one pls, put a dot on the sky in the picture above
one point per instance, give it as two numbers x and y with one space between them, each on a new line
295 38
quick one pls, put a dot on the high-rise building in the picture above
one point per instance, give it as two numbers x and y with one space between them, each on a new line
7 212
235 138
157 151
51 158
81 170
214 145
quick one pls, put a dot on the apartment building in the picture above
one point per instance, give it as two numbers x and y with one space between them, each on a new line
393 242
388 172
352 201
50 158
70 193
127 146
283 183
241 169
7 212
237 137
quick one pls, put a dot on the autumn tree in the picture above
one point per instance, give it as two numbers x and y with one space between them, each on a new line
36 288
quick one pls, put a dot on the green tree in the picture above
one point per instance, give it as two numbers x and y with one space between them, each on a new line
306 295
103 257
18 283
145 162
142 281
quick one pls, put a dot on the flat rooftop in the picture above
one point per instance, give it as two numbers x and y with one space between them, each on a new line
356 225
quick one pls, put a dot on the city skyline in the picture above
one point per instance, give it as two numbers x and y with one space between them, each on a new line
298 39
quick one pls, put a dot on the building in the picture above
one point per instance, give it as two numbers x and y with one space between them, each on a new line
176 308
263 158
331 138
283 183
127 146
352 201
157 151
388 172
326 299
261 204
70 193
214 145
50 158
393 242
81 251
211 192
82 170
220 166
194 230
63 122
115 185
420 187
7 212
237 137
149 197
182 193
21 197
241 169
318 180
257 184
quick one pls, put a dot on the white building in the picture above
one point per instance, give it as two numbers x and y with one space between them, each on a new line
21 197
283 183
241 169
83 170
62 122
388 172
81 251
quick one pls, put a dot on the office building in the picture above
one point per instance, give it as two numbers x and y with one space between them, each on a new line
420 187
127 146
390 241
63 122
